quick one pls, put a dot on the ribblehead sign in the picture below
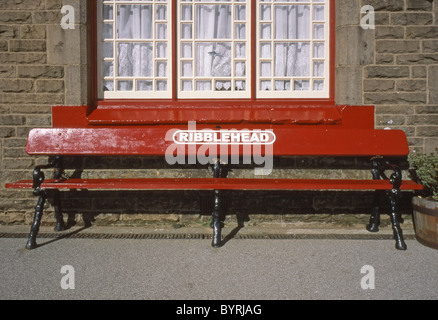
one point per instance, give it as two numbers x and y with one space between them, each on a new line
224 137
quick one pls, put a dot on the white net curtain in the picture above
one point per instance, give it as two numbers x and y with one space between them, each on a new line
137 32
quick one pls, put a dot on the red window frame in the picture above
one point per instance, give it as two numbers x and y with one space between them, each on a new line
95 103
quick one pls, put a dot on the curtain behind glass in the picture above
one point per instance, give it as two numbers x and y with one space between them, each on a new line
135 58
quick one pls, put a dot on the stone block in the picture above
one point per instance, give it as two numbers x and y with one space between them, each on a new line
411 85
348 85
358 48
406 19
397 46
419 72
33 32
40 72
22 58
395 98
386 72
419 5
49 86
67 46
433 84
378 85
16 85
347 12
22 5
427 131
389 32
417 58
386 5
15 17
27 45
8 31
423 32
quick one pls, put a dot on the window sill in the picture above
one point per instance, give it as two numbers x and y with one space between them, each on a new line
125 112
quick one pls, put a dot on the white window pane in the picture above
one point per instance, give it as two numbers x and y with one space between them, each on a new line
318 85
187 69
161 30
318 50
282 85
124 85
161 49
203 85
134 21
108 69
107 12
265 50
240 13
213 59
161 85
292 59
107 31
187 85
145 85
186 50
108 85
240 69
265 85
318 31
240 85
318 68
161 12
107 50
186 31
240 50
223 85
161 69
301 85
265 69
318 13
135 59
292 22
186 12
213 22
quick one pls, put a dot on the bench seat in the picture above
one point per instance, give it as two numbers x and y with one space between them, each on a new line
215 184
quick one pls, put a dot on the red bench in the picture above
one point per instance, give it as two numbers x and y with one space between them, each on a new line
322 132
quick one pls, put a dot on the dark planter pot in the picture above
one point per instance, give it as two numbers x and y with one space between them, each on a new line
426 221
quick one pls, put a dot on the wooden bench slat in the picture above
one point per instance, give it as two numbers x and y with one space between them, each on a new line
217 184
150 141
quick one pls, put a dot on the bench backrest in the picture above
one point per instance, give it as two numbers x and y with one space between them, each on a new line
157 140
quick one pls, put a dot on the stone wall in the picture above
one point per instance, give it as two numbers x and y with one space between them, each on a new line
394 67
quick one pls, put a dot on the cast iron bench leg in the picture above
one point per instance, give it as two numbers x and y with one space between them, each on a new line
60 226
378 172
217 227
57 174
395 215
31 243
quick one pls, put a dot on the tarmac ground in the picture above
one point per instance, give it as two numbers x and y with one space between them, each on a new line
279 262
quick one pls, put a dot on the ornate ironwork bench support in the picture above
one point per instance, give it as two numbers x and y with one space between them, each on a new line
217 209
394 195
38 179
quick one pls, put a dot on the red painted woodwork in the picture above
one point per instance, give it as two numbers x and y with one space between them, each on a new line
151 140
214 113
94 60
216 184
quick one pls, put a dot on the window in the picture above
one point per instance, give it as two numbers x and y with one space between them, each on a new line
218 49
